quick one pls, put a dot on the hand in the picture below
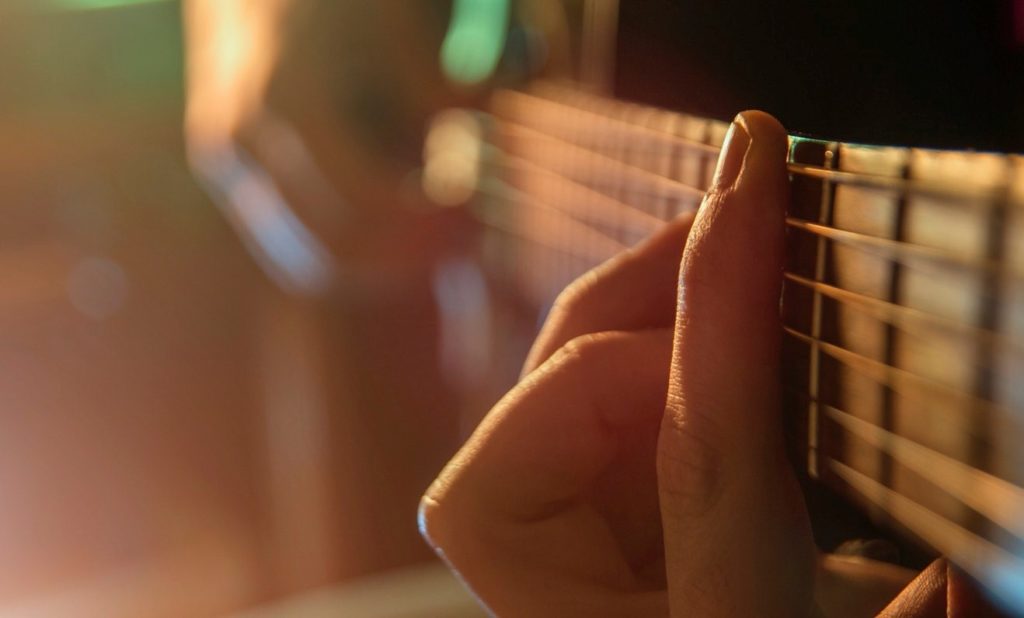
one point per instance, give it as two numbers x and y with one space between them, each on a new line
638 468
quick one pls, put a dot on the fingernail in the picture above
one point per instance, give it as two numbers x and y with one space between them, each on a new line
730 160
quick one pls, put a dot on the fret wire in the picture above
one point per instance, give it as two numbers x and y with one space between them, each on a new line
907 318
981 558
905 382
892 335
988 318
813 422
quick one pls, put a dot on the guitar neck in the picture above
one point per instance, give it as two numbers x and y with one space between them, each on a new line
903 303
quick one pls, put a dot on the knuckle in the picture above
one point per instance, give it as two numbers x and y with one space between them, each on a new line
443 519
583 351
451 516
571 300
430 517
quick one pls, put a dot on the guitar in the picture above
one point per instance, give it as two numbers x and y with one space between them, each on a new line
903 301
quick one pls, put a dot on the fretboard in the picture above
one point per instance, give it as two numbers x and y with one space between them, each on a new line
903 302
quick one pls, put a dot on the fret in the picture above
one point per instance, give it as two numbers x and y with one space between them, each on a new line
663 159
965 295
621 142
1009 366
813 199
876 213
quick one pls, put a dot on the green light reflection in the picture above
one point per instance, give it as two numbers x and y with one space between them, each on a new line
475 40
91 5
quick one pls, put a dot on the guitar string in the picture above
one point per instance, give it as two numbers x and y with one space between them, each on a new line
978 556
914 385
898 378
918 257
925 260
999 509
596 200
964 194
641 181
908 319
612 248
996 498
603 162
918 453
970 194
888 310
999 500
907 254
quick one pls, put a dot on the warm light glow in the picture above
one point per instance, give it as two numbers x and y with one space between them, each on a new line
451 154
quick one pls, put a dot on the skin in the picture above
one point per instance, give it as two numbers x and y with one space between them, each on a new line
638 467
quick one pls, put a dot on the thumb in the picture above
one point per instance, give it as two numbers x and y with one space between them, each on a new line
737 538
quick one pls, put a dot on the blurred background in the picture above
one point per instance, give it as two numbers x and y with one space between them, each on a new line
225 372
241 325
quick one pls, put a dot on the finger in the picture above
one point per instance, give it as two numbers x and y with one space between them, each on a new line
507 510
925 597
632 291
852 586
737 536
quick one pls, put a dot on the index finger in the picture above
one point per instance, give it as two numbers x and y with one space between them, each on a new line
554 433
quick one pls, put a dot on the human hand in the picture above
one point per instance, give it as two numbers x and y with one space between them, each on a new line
638 468
562 489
